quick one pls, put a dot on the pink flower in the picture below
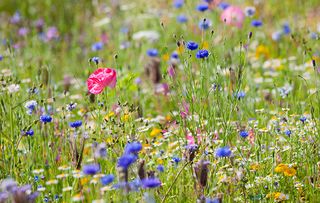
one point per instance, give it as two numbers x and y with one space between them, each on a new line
171 71
190 139
101 78
184 112
233 16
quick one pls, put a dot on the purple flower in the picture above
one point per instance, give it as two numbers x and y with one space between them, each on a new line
286 29
204 24
276 36
178 3
126 160
202 7
288 132
256 23
223 152
95 60
91 169
75 124
192 45
244 133
45 118
133 148
52 33
303 119
202 54
30 132
4 196
23 31
223 5
160 168
105 180
241 95
182 18
15 18
100 150
97 46
215 200
176 159
135 184
175 55
152 52
249 11
151 182
39 23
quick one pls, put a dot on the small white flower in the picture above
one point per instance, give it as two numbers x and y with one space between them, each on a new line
13 88
146 34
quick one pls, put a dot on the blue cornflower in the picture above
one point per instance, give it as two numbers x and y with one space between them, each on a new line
288 132
105 180
100 150
250 11
204 24
119 185
124 30
152 52
202 54
303 119
97 46
182 18
95 60
160 168
45 118
126 160
56 197
192 45
178 3
133 147
241 95
223 5
192 147
1 57
244 134
286 29
202 7
215 200
135 184
30 132
175 55
91 169
256 23
313 35
176 159
151 182
71 106
276 36
223 152
36 178
30 106
75 124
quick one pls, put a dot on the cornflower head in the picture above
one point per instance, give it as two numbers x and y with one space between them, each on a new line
45 119
223 152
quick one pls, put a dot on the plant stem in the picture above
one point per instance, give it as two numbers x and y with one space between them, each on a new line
174 181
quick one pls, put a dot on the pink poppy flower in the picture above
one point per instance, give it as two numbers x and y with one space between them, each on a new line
101 78
233 16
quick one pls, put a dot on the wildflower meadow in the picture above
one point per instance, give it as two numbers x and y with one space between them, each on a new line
204 101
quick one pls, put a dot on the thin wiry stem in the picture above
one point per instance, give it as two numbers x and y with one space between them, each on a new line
174 181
